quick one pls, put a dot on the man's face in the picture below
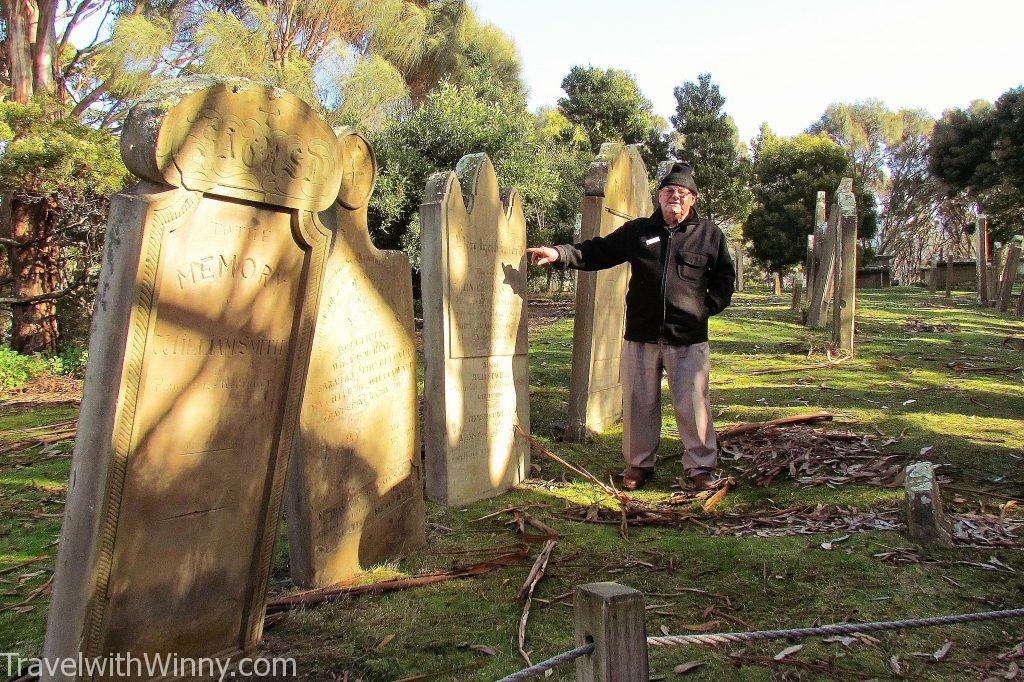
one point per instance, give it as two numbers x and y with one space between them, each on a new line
676 200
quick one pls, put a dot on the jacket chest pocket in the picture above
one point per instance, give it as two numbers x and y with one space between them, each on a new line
690 265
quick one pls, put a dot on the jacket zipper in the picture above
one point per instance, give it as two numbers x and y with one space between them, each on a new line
664 283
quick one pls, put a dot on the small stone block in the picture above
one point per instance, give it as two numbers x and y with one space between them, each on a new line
926 521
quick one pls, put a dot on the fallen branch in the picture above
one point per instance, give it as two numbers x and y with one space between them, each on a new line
326 594
526 591
984 493
753 426
579 471
42 440
31 561
786 370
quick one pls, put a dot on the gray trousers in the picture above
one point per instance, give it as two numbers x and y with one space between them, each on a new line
640 371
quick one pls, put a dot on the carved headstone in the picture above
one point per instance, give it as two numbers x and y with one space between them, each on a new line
474 334
615 191
844 306
199 346
926 521
355 491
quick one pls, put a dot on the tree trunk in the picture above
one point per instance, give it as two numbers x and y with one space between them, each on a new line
34 269
19 48
45 47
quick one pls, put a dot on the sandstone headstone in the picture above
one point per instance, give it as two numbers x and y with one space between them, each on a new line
981 249
474 334
926 521
844 308
1009 273
615 191
355 491
204 315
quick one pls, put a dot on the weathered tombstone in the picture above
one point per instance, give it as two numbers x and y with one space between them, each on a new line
816 242
615 191
844 307
926 521
199 346
474 334
1009 273
981 248
355 491
933 274
798 282
824 271
738 264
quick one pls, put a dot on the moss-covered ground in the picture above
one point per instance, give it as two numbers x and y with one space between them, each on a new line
956 392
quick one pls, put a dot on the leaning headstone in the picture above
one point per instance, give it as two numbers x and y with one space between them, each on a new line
844 307
354 495
816 242
933 274
474 334
926 521
615 191
824 271
798 282
981 249
1009 273
205 311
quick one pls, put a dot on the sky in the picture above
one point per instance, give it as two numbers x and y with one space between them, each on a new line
776 61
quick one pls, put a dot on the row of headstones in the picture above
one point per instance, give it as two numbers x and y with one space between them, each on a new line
252 350
830 267
996 276
1001 273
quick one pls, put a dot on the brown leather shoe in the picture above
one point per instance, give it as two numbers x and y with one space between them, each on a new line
701 481
634 477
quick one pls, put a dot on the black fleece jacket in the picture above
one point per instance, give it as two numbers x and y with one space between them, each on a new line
678 277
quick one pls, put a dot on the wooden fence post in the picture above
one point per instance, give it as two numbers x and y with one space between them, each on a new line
612 617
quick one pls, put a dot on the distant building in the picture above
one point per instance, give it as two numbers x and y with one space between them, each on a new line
875 273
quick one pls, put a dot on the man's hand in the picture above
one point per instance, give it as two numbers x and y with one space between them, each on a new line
542 255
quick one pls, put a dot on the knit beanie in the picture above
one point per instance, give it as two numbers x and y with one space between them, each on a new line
680 174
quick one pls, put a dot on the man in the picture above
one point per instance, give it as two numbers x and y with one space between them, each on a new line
681 274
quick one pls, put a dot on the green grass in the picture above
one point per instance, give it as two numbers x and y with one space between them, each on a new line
972 422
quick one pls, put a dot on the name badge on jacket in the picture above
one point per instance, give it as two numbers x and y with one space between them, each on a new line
652 240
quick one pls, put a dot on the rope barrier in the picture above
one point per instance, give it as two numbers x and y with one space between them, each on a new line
544 666
764 635
837 629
